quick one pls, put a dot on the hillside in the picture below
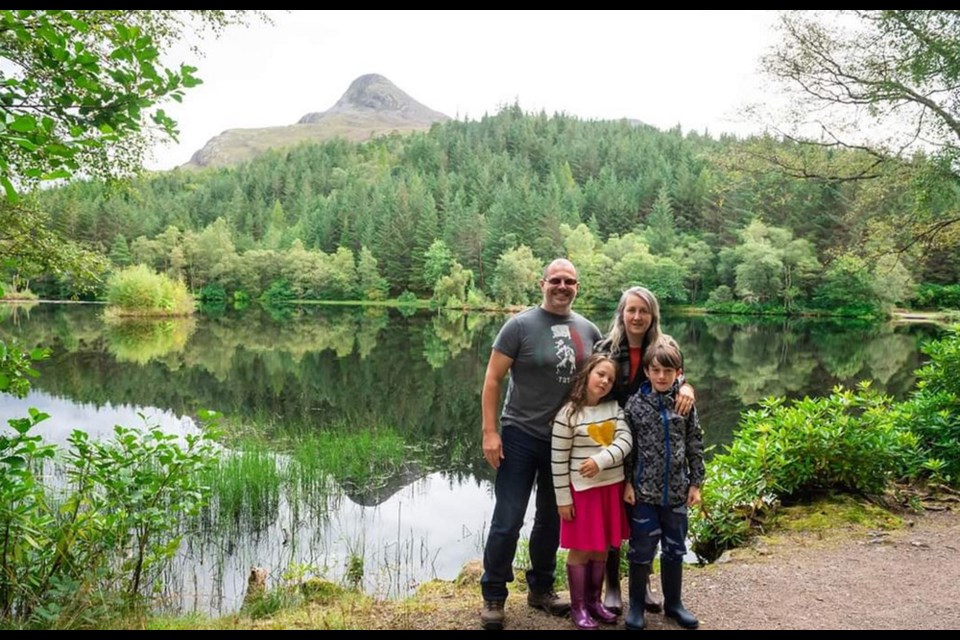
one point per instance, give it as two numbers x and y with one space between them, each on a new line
371 106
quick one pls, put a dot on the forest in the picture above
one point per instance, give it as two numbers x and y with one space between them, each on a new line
469 212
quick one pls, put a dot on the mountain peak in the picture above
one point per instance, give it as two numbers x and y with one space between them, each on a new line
375 93
372 105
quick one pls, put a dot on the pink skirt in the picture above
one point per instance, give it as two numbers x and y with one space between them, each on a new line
599 519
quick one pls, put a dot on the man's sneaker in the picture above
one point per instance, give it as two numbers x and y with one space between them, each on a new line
491 618
549 601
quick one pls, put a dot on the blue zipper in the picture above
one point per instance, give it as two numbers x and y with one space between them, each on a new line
666 439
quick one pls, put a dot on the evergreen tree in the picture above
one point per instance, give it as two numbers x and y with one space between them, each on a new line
120 252
371 284
661 231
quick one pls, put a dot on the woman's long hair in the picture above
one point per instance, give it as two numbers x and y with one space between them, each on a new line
617 329
577 396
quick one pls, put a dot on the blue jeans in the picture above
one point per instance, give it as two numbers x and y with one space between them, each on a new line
525 459
652 523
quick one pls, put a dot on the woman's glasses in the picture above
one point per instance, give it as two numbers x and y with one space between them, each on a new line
570 282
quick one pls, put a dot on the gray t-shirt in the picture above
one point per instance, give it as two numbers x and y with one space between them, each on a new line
546 350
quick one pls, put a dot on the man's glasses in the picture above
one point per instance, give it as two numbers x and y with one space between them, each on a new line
570 282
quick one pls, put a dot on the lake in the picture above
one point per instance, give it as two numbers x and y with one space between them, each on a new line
319 369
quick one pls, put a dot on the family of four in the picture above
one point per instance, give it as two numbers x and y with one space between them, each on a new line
607 430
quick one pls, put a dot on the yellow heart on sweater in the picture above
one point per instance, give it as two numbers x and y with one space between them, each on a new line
602 432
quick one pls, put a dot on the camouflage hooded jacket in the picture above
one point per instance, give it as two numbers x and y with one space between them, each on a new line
667 455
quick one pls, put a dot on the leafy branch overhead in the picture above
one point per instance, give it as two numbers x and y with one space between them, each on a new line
74 85
883 80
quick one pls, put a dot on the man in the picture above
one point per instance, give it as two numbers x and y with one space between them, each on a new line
541 348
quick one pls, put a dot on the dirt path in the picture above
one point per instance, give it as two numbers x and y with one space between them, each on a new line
905 579
853 578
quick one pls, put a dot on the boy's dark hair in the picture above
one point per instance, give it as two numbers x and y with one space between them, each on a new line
664 352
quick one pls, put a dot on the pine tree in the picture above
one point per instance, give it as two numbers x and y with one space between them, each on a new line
120 252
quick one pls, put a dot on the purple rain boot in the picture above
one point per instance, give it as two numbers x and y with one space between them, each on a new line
578 575
595 585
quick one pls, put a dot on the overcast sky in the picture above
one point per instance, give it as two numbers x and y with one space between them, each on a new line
697 69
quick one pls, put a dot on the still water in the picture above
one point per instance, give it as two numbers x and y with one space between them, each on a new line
320 368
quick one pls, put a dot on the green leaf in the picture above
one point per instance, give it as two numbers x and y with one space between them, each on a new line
55 175
11 191
25 144
16 462
38 354
23 124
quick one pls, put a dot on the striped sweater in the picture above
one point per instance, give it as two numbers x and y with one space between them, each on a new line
598 432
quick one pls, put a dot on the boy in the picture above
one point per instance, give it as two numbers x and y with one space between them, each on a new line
665 478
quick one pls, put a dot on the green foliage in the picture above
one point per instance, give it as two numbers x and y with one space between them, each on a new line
407 298
521 562
848 285
30 249
451 290
371 284
120 252
278 294
68 550
241 300
245 488
16 367
937 296
141 340
461 193
516 276
77 87
887 72
720 295
11 293
847 441
360 460
438 261
138 291
661 230
892 68
213 293
933 412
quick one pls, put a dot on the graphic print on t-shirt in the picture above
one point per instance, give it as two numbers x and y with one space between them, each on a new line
565 352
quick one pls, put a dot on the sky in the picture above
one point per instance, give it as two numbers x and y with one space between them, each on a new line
698 69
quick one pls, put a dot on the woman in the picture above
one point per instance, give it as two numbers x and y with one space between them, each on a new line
635 325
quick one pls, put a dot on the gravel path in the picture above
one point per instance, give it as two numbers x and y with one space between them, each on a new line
848 579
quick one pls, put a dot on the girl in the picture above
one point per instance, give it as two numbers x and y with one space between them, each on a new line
590 441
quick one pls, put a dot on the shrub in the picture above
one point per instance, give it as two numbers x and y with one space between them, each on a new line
933 412
139 291
76 544
847 441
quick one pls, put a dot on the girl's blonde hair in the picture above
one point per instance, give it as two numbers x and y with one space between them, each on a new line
618 330
577 396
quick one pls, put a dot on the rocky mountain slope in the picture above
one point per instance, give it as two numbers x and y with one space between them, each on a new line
371 106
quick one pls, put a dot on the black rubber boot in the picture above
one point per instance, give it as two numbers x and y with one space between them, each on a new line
653 604
671 578
612 599
636 589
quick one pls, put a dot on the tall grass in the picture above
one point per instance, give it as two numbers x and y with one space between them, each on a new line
249 484
246 488
365 458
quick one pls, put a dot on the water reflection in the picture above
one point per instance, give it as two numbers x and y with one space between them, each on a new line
324 369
